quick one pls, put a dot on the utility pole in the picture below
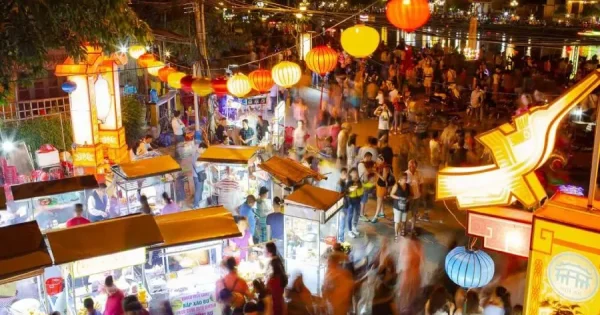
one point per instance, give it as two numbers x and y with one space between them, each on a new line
198 8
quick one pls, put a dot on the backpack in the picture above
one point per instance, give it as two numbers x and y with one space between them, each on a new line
237 299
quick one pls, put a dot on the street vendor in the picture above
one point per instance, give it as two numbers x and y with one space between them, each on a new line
98 204
263 207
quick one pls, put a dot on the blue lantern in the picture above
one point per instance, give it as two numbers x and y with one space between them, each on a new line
69 86
469 268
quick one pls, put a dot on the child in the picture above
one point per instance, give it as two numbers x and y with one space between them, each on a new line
327 149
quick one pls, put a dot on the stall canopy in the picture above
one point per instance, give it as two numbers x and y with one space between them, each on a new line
156 166
195 226
103 238
288 171
53 187
313 203
23 252
228 154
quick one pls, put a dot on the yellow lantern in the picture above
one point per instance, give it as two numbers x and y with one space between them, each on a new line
136 51
154 66
239 85
360 40
286 74
202 86
174 79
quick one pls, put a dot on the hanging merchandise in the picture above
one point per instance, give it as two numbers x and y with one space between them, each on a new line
69 86
261 80
321 59
174 79
186 83
145 60
239 85
408 15
202 86
469 268
154 67
360 41
219 85
136 51
286 74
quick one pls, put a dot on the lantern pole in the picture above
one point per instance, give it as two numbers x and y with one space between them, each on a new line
594 174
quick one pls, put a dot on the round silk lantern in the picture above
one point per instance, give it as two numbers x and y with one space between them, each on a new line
186 83
164 72
136 51
219 85
174 79
261 80
202 86
239 85
321 59
407 15
69 86
360 40
154 67
145 60
469 268
286 74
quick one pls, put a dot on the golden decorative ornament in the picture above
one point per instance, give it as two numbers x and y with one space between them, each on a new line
360 41
239 85
136 51
286 74
202 86
321 59
154 67
261 80
174 79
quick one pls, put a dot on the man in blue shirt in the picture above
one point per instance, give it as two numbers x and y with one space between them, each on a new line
246 210
275 220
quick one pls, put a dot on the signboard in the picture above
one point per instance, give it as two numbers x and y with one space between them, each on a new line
104 263
501 235
196 304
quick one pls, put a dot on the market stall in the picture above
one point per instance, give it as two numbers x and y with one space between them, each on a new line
278 126
288 173
228 174
51 203
235 109
311 227
150 177
23 257
87 254
185 268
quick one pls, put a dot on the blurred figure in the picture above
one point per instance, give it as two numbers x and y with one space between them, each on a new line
114 301
78 219
469 304
145 206
276 284
264 299
299 298
439 303
170 205
88 303
498 303
338 286
231 290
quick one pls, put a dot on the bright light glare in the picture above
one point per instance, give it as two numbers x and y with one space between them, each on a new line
123 49
8 146
168 53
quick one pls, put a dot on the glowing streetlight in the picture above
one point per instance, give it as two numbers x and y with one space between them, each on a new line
260 4
8 146
299 15
514 3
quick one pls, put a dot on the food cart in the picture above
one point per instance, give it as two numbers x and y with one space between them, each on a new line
88 253
149 177
311 224
23 257
185 268
287 173
228 174
51 203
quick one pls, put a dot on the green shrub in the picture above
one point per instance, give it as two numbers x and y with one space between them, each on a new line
41 130
134 118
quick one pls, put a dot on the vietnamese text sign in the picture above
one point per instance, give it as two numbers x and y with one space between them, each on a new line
197 304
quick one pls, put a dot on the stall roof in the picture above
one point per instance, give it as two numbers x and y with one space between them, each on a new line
198 225
315 197
156 166
229 154
53 187
103 238
288 171
23 252
570 210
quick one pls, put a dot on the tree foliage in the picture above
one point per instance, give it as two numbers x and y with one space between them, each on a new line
133 116
41 130
30 28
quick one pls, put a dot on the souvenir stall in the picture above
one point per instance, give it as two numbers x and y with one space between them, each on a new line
87 254
23 258
311 227
237 109
185 268
51 203
150 177
287 173
228 174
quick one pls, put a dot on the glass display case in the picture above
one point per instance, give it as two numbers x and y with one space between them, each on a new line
150 177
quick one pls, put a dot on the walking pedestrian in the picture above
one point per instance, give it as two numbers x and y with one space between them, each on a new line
198 174
354 192
414 179
384 115
385 181
401 194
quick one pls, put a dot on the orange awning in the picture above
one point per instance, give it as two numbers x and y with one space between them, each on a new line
23 252
156 166
53 187
228 154
194 226
315 197
288 171
570 210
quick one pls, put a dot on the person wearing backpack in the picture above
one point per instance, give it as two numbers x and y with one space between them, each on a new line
232 290
366 173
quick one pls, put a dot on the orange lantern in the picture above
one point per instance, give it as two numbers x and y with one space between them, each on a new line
239 85
286 74
202 86
145 59
219 85
321 59
154 67
408 15
163 73
261 80
186 83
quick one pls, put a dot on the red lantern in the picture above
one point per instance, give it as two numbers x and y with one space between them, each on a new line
408 15
219 85
145 59
163 73
321 59
261 80
186 83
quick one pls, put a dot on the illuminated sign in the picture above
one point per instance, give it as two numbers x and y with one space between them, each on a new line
573 277
96 265
518 149
500 234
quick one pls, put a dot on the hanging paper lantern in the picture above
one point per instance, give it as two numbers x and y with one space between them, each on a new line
136 51
469 268
163 73
186 83
286 74
202 86
360 40
408 15
261 80
239 85
154 67
174 79
321 59
69 86
145 60
219 85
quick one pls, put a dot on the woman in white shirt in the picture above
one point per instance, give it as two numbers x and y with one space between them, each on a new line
178 127
300 140
384 114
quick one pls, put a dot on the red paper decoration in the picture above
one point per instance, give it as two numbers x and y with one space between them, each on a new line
408 15
219 85
261 80
145 59
321 59
186 83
